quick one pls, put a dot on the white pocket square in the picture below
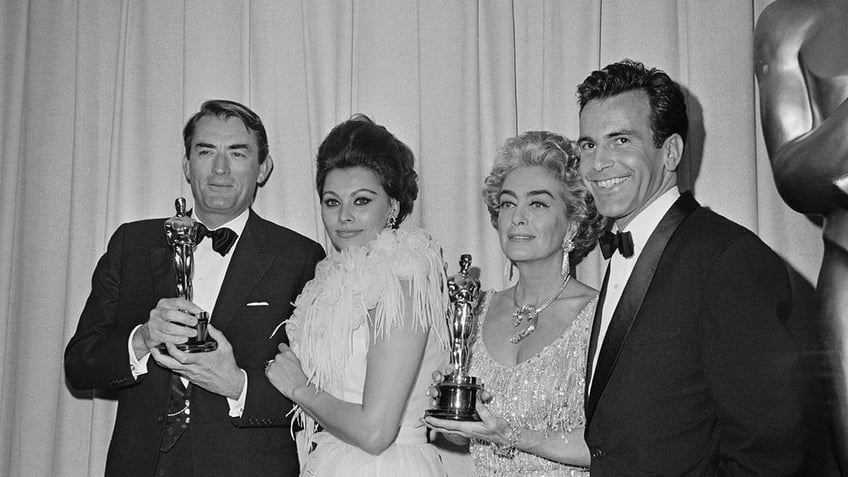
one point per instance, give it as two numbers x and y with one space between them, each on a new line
258 303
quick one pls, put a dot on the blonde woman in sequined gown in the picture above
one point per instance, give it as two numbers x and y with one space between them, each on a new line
532 339
369 328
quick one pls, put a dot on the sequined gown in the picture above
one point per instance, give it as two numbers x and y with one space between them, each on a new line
543 393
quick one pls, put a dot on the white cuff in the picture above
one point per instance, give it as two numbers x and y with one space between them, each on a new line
237 406
137 366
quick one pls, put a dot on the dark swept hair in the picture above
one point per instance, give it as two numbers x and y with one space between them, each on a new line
360 142
559 157
224 109
668 104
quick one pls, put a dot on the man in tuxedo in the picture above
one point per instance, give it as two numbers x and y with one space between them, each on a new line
204 413
691 370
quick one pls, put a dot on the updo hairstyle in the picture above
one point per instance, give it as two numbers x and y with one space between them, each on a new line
360 142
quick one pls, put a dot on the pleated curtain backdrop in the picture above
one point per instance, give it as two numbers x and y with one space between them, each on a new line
94 95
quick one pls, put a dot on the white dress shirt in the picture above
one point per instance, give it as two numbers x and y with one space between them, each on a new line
620 268
210 268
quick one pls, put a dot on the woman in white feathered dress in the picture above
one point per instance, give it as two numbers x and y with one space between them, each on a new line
370 328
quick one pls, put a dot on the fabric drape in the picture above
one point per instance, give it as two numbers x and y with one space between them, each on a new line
94 95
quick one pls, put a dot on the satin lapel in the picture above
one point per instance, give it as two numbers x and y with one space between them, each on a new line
634 294
247 267
162 274
596 329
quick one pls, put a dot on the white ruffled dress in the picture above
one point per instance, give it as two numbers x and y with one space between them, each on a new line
330 333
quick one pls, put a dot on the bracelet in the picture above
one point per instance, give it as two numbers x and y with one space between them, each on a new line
508 451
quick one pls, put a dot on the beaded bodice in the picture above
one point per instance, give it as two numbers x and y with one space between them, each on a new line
543 393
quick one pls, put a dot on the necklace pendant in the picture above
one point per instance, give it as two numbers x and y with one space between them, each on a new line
531 313
524 333
526 312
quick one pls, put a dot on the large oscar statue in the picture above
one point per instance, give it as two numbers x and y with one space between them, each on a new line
181 232
457 393
802 73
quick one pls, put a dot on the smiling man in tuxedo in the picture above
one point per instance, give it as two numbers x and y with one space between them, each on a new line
209 413
690 367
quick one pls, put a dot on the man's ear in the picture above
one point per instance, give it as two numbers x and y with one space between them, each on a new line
186 169
672 151
265 170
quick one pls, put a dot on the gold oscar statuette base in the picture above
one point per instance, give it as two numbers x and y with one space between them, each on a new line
201 343
457 399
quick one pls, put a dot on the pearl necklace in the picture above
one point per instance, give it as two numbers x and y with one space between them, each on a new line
530 312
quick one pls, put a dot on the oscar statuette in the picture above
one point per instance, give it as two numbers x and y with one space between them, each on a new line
181 232
457 393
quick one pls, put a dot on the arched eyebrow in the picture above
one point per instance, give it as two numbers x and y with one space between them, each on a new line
357 191
365 189
622 132
531 193
507 192
609 135
231 147
540 192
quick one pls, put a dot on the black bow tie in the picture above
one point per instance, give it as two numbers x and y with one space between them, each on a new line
621 241
222 239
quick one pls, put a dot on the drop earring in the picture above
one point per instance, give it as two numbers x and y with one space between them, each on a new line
567 247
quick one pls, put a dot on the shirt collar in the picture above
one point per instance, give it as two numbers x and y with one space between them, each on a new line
643 225
237 224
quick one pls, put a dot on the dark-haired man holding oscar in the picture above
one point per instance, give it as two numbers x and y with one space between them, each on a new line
205 413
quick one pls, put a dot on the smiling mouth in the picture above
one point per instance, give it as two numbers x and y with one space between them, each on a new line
347 233
610 183
521 237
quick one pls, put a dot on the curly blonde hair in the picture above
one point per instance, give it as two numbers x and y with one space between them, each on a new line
560 157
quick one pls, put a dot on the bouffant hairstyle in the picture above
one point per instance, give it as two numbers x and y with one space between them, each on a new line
668 103
224 109
560 158
360 142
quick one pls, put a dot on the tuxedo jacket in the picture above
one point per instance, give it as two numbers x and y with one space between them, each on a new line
269 266
697 374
